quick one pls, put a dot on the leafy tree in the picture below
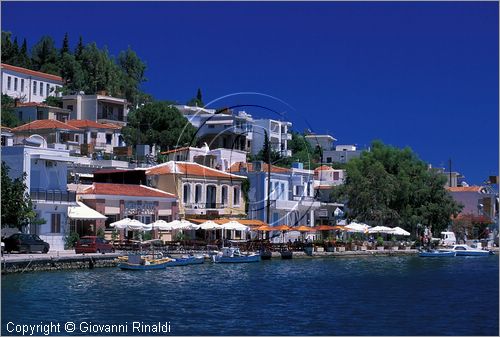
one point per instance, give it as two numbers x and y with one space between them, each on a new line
72 73
133 70
23 59
17 210
393 187
79 49
54 101
9 118
7 50
44 56
158 123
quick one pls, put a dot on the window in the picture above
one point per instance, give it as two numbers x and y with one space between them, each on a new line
197 193
15 83
336 175
328 159
39 114
34 87
224 195
69 107
109 137
47 90
41 88
236 196
282 192
55 226
22 84
186 193
9 79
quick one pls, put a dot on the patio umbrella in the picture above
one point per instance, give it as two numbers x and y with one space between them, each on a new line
235 225
120 224
282 228
381 229
135 225
162 225
400 231
210 225
303 229
355 227
264 228
325 228
184 224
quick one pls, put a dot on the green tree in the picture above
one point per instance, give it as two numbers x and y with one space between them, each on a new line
133 70
44 56
17 210
7 50
23 57
9 118
54 101
65 45
79 49
72 74
196 101
158 123
393 187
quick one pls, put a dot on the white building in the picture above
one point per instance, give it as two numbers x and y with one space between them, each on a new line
28 112
29 85
97 108
278 133
220 158
46 179
325 142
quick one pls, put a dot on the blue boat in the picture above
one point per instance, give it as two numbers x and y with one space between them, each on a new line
233 255
184 261
436 253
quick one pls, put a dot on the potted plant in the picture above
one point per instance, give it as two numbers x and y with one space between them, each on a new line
318 246
380 243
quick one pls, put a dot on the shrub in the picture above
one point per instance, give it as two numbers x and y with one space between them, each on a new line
70 240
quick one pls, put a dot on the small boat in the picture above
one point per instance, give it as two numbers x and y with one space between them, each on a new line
233 255
436 253
286 254
266 254
185 260
137 262
465 250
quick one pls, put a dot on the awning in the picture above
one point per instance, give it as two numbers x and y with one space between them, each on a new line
83 212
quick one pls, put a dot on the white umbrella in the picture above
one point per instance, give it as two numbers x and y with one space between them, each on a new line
147 227
184 224
355 227
235 225
135 225
381 229
162 225
209 224
120 224
400 231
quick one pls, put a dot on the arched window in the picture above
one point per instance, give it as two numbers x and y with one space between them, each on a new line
224 195
186 195
197 193
236 196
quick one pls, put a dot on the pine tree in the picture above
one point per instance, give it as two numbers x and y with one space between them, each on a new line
15 49
198 96
79 49
266 149
65 45
24 59
6 47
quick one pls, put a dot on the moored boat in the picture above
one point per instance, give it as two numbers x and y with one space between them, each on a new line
436 253
184 261
465 250
233 255
137 262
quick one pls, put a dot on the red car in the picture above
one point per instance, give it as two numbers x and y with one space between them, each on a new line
93 244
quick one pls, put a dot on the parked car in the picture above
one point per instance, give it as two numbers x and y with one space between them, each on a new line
93 244
26 243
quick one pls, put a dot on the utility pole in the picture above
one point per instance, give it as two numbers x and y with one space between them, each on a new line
449 162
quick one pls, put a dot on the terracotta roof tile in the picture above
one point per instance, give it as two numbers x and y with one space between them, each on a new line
464 189
236 167
32 104
88 124
192 169
44 124
126 190
33 73
323 168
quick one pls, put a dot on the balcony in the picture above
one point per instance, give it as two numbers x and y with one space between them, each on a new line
205 205
286 136
53 196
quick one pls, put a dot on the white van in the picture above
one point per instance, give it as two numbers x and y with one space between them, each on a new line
448 239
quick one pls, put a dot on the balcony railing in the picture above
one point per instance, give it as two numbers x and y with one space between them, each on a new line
53 195
205 205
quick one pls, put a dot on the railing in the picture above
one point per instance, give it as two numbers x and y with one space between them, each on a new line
205 205
53 195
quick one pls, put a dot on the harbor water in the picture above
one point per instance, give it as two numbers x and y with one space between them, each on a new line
390 295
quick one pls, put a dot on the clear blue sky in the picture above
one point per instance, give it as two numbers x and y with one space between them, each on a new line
423 75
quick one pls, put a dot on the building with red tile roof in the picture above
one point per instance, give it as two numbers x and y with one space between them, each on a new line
257 167
29 85
44 124
479 201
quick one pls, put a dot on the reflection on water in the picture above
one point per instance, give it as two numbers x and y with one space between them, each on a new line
339 296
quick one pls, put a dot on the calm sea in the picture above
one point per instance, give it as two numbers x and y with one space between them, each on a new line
338 296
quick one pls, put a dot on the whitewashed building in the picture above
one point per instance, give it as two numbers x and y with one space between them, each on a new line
29 85
97 108
278 133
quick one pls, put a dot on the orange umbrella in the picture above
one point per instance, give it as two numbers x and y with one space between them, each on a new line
281 228
303 229
264 228
339 228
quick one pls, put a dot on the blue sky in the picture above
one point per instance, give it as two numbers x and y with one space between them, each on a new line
416 74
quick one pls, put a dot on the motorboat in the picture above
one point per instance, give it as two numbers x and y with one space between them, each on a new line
138 262
234 255
185 260
466 250
436 253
